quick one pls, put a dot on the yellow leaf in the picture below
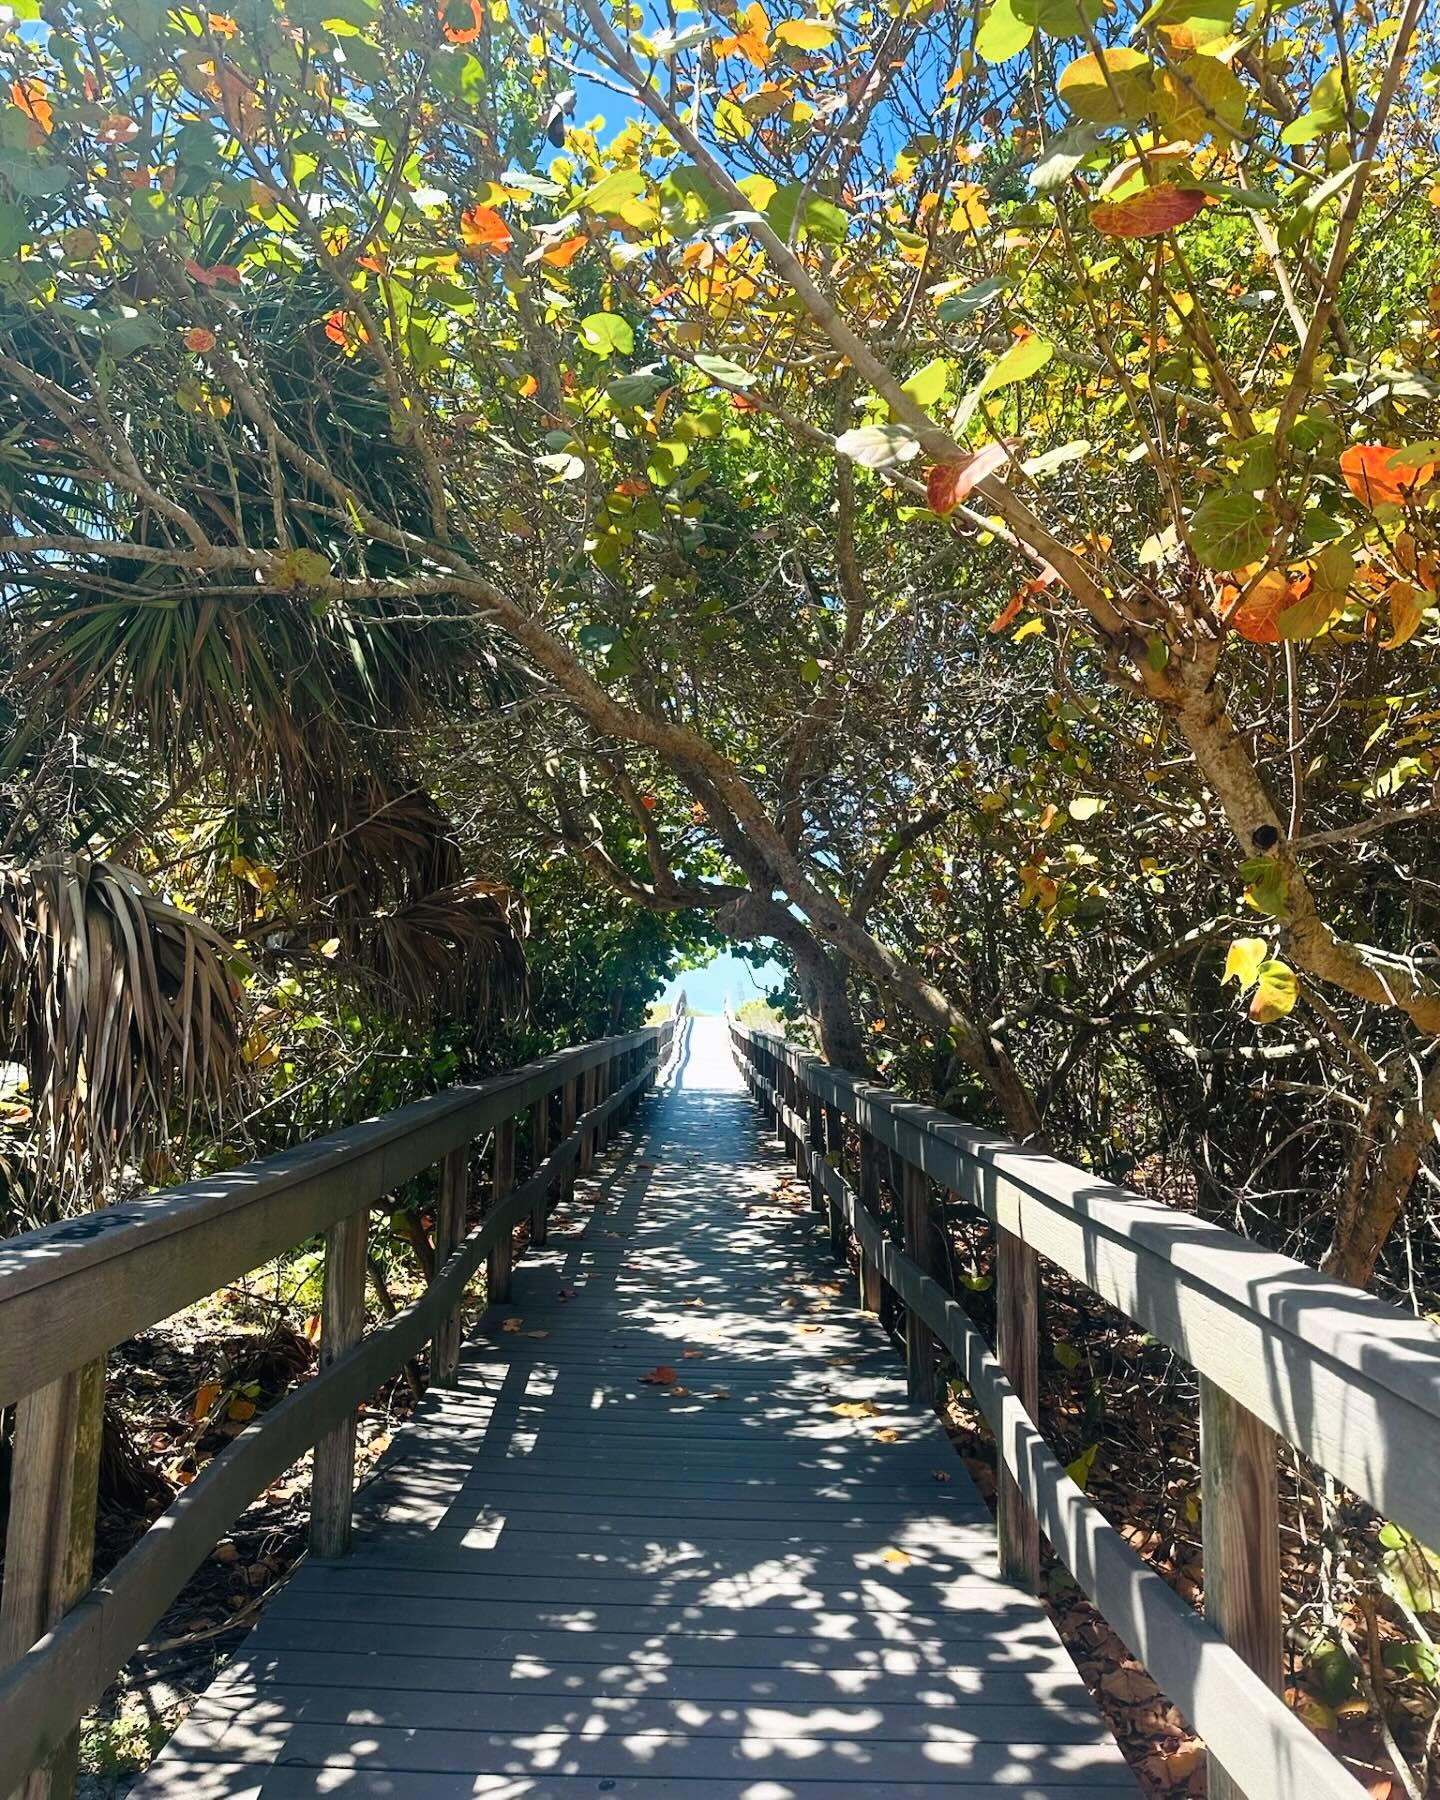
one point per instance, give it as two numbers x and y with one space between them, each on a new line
1276 992
969 213
1407 612
1031 628
206 1398
240 1410
855 1409
805 34
1243 961
897 1558
888 1435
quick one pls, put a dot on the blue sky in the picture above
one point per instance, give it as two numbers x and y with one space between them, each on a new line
706 988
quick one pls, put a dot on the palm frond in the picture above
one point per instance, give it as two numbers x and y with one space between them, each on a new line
121 1007
459 950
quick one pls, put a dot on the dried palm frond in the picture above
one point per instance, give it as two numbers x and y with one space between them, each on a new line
460 950
122 1008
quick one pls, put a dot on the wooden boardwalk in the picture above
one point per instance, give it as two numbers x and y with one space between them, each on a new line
570 1581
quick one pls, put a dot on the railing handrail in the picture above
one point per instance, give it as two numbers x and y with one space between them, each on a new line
1170 1272
69 1292
1112 1239
60 1304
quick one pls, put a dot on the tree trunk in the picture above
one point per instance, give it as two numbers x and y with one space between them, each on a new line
1369 1210
821 974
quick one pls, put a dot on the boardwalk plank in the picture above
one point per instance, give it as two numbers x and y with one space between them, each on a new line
568 1581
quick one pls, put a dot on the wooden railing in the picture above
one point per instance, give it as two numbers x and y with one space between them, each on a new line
1281 1353
73 1291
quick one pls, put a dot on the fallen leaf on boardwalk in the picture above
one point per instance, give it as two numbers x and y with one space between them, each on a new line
537 1334
856 1409
721 1394
897 1558
661 1376
1182 1763
677 1392
512 1324
812 1328
690 1350
1130 1685
940 1474
567 1293
888 1436
694 1300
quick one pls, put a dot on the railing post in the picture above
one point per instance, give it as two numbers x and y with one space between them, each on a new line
539 1150
803 1139
569 1111
50 1538
834 1151
869 1190
602 1092
819 1146
919 1225
587 1136
342 1322
1017 1304
449 1229
502 1251
1240 1526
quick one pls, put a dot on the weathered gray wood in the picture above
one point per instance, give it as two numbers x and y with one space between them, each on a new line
569 1113
72 1291
1017 1315
50 1534
502 1251
1340 1375
833 1147
508 1635
588 1094
921 1248
449 1229
64 1675
539 1150
869 1273
1240 1519
1245 1725
342 1324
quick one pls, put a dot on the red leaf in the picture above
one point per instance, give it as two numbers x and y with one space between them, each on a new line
1370 478
483 229
948 485
663 1376
198 338
1009 614
1150 212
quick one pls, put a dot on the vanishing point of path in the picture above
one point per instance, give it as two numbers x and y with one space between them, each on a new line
571 1581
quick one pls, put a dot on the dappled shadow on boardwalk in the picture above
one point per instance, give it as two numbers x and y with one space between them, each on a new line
574 1581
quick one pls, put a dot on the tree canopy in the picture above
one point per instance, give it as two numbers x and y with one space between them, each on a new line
947 489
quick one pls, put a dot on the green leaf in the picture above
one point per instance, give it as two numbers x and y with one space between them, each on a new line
1067 1356
822 219
598 637
1079 1470
612 192
1067 151
1276 992
956 307
927 386
1265 885
1003 32
1061 18
14 228
1027 356
720 368
638 389
605 334
878 446
1230 528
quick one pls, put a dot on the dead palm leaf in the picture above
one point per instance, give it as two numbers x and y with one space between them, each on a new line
122 1008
